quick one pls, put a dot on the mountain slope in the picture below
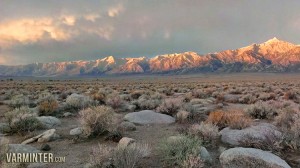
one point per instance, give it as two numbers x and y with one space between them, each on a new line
273 55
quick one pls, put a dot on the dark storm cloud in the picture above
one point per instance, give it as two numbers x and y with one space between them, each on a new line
53 30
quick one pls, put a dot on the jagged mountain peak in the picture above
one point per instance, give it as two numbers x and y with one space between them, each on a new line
274 55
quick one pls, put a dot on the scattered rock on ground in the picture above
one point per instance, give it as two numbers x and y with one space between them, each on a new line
125 141
148 117
205 156
258 132
67 114
76 131
49 121
46 136
250 158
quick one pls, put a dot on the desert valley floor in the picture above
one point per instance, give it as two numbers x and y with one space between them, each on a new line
204 120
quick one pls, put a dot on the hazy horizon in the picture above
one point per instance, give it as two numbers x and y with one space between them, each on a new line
56 31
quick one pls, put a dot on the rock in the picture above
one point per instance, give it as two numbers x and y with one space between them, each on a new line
205 156
46 136
45 147
127 126
22 148
76 131
49 121
67 114
250 158
255 133
148 117
125 141
4 128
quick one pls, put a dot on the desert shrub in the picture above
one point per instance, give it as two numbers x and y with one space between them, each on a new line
145 102
261 110
170 106
199 93
99 96
271 142
114 101
130 156
100 156
182 116
175 152
248 99
289 95
193 161
22 120
232 119
18 101
47 105
137 93
288 121
96 120
77 101
286 118
126 97
207 132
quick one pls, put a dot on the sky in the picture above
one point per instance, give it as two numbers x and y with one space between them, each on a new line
68 30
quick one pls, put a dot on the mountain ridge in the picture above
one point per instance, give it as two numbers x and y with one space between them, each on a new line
273 55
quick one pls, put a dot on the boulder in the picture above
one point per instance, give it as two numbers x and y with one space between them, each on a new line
250 158
148 117
76 131
125 141
46 136
259 133
49 122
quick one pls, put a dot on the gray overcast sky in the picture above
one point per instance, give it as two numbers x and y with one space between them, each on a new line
55 30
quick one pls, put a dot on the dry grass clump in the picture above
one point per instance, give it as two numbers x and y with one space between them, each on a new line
130 156
101 156
121 156
96 120
206 131
193 161
47 105
232 119
261 110
22 120
170 106
177 152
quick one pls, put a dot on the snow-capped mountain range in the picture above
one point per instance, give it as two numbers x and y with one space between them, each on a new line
273 55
